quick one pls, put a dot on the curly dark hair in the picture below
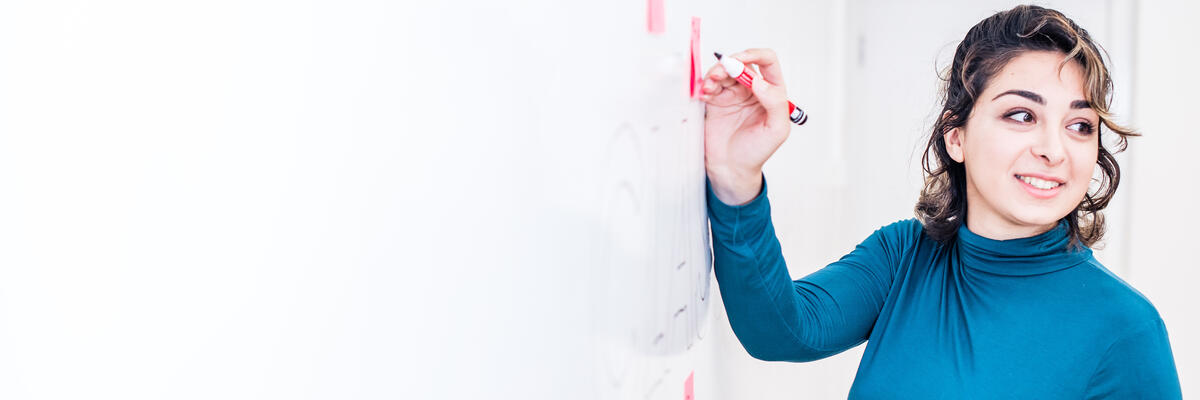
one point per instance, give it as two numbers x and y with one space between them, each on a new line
986 49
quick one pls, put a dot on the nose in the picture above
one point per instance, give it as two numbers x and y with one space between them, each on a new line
1049 146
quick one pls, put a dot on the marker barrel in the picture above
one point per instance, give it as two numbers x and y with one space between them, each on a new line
738 70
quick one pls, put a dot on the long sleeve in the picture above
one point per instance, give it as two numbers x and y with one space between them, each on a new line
777 319
1138 365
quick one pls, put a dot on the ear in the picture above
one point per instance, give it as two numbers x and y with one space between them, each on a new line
954 144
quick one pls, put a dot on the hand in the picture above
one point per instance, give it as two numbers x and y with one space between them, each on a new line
743 127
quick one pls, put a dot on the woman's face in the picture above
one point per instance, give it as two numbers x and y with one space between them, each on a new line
1029 147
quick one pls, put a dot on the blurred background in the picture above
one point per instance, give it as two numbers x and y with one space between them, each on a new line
374 200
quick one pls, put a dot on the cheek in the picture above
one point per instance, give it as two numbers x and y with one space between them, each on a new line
994 159
1083 168
1083 159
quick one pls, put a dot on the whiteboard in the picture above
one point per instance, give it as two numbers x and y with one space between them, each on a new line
357 199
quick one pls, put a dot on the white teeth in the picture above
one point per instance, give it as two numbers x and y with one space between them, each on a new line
1038 183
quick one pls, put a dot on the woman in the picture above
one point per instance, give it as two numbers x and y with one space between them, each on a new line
991 291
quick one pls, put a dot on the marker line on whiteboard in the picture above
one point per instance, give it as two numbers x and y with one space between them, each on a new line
740 73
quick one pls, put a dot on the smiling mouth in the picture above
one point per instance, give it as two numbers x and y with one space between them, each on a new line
1038 183
1054 188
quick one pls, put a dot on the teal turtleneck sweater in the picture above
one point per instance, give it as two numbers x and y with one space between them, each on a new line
979 319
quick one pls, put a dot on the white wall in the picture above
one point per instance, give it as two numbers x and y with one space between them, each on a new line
1161 175
885 59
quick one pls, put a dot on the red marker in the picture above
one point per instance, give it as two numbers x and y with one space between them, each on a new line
738 70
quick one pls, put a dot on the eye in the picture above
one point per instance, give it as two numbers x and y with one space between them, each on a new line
1020 116
1082 127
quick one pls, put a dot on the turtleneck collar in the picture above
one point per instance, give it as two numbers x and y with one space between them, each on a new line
1044 253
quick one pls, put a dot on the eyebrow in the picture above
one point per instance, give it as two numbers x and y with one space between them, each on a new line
1036 98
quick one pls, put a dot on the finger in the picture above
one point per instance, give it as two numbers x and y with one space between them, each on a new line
717 72
727 96
734 94
767 61
710 87
709 84
774 99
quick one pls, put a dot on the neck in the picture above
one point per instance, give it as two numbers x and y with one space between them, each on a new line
995 227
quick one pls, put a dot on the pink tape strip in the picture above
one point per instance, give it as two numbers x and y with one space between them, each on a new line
656 18
688 393
696 74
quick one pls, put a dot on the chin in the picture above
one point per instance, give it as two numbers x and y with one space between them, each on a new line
1038 218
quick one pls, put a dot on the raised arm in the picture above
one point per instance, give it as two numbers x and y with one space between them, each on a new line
775 318
778 319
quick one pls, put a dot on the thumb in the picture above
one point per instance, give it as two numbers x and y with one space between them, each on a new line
773 100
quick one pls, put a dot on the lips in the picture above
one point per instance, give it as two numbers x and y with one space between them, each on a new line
1044 177
1038 192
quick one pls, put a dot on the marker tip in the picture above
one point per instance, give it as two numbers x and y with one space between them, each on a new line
717 54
